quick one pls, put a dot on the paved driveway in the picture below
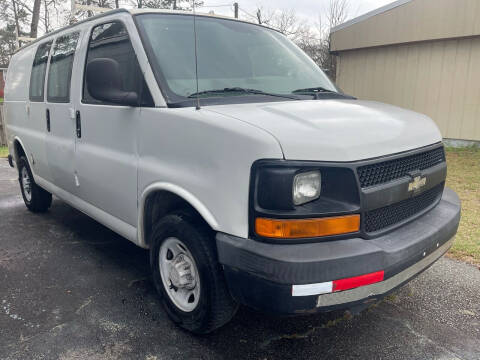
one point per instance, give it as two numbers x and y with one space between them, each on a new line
72 289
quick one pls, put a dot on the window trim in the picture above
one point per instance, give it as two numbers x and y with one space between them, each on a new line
84 82
67 99
40 98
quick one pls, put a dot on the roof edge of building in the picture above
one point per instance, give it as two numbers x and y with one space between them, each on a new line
400 43
370 14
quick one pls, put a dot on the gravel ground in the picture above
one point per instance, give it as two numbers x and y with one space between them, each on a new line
72 289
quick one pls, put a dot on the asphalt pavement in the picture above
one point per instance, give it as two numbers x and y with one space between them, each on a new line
72 289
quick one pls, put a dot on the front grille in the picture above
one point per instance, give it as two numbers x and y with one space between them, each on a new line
382 218
386 171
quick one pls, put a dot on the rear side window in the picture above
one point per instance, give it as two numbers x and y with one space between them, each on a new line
37 76
60 70
111 40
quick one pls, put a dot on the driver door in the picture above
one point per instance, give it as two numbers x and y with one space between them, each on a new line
106 138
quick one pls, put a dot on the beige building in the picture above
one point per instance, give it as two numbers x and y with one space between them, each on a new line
419 54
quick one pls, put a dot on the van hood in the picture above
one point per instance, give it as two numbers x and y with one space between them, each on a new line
337 130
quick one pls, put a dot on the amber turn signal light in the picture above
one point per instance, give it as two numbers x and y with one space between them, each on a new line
306 228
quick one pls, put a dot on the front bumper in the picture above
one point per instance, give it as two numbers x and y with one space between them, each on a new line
261 275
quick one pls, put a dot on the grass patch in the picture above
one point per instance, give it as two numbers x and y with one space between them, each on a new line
464 178
3 151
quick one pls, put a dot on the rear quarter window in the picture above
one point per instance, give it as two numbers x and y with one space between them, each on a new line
60 70
39 68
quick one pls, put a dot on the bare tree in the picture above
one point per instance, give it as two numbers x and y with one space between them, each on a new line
34 13
25 18
315 41
337 13
285 21
166 4
46 16
312 40
35 18
264 16
51 14
81 14
309 38
13 23
17 24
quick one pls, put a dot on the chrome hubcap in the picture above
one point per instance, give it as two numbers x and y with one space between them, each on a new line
179 274
26 184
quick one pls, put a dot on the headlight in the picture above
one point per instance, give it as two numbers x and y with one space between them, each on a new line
306 187
289 199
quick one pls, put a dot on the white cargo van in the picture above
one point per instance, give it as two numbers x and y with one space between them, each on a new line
221 147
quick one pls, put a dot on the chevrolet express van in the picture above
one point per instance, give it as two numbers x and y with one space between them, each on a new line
223 149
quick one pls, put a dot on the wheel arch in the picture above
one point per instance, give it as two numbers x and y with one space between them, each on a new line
158 199
19 149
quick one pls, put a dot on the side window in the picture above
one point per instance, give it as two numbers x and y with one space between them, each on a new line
60 70
39 68
111 41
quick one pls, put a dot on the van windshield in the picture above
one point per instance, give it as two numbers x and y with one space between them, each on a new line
240 58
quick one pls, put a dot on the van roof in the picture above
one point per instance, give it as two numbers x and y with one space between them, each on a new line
135 12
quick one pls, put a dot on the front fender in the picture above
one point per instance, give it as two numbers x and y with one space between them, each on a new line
179 191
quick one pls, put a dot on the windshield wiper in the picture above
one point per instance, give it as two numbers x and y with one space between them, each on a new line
240 90
320 92
313 90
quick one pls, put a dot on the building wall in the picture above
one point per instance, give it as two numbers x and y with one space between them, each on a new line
438 78
411 21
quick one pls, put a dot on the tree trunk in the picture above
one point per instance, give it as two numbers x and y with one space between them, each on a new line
35 18
46 19
17 25
89 12
116 4
259 16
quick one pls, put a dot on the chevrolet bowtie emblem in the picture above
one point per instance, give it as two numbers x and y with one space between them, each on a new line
417 183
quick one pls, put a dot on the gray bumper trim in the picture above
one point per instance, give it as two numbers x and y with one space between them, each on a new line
383 287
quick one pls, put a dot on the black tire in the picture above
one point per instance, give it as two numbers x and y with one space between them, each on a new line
40 200
215 306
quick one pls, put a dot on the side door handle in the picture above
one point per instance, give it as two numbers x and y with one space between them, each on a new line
48 119
78 122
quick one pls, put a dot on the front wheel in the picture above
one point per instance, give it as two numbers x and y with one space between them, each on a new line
188 276
36 199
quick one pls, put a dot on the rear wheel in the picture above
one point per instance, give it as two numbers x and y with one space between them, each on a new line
188 276
36 199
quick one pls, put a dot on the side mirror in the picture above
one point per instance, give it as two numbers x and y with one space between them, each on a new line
104 82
